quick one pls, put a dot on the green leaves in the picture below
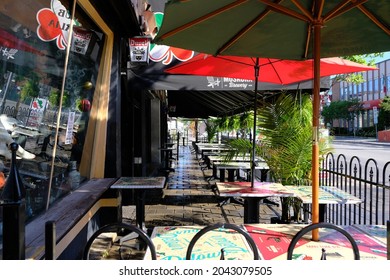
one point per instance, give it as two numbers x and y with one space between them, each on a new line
342 109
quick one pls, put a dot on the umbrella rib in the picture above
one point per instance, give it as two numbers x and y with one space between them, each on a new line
303 10
202 18
277 73
365 11
244 30
308 39
341 9
276 7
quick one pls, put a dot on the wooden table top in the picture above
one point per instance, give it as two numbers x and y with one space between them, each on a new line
326 195
139 183
171 243
260 189
273 240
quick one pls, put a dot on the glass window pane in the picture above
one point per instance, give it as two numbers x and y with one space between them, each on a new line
33 48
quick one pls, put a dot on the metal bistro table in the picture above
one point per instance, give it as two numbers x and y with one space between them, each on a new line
139 185
252 195
167 154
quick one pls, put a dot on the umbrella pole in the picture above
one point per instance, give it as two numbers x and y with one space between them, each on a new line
316 116
253 164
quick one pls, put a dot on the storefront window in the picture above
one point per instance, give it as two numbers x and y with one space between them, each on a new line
33 51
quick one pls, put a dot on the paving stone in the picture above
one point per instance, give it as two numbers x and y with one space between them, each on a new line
188 200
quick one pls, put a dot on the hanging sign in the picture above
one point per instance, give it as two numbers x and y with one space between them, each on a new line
139 49
81 40
69 128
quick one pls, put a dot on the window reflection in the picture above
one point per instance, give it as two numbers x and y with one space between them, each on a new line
32 57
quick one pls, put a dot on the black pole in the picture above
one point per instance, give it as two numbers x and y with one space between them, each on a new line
388 239
14 215
50 240
177 145
253 165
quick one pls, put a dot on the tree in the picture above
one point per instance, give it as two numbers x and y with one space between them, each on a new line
286 143
211 129
29 89
357 78
341 110
54 98
384 114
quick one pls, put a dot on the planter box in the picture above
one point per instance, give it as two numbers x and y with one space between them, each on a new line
384 136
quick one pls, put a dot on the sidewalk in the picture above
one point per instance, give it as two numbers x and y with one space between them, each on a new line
360 140
189 199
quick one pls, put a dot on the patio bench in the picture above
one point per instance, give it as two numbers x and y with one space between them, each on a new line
72 216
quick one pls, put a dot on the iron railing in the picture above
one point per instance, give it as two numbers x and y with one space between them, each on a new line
364 180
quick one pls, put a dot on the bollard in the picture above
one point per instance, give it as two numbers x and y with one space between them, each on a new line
14 215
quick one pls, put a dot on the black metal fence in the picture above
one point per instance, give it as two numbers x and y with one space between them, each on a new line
23 114
364 180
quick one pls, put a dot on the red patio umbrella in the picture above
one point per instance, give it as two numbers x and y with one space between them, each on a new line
278 71
10 41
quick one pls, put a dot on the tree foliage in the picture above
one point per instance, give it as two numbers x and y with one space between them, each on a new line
29 86
211 129
286 143
54 98
384 114
357 78
341 110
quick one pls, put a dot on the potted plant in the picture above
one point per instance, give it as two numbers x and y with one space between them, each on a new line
285 127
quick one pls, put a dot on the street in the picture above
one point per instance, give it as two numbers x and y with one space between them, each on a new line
364 151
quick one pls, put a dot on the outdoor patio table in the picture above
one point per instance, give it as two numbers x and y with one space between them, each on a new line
327 195
252 195
171 243
139 185
273 240
167 154
232 167
213 148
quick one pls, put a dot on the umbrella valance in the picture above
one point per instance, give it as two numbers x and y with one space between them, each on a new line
279 71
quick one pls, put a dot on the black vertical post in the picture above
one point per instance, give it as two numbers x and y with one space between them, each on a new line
14 215
177 145
388 240
50 240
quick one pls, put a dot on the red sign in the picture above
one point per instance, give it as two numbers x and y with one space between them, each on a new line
139 49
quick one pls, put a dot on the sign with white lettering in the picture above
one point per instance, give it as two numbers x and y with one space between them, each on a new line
375 111
139 49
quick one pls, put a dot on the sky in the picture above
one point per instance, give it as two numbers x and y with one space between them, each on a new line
386 56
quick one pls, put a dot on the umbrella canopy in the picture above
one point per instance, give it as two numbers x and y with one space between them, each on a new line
297 29
10 41
278 29
279 71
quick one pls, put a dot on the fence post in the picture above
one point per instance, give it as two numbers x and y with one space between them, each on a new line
14 215
388 240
